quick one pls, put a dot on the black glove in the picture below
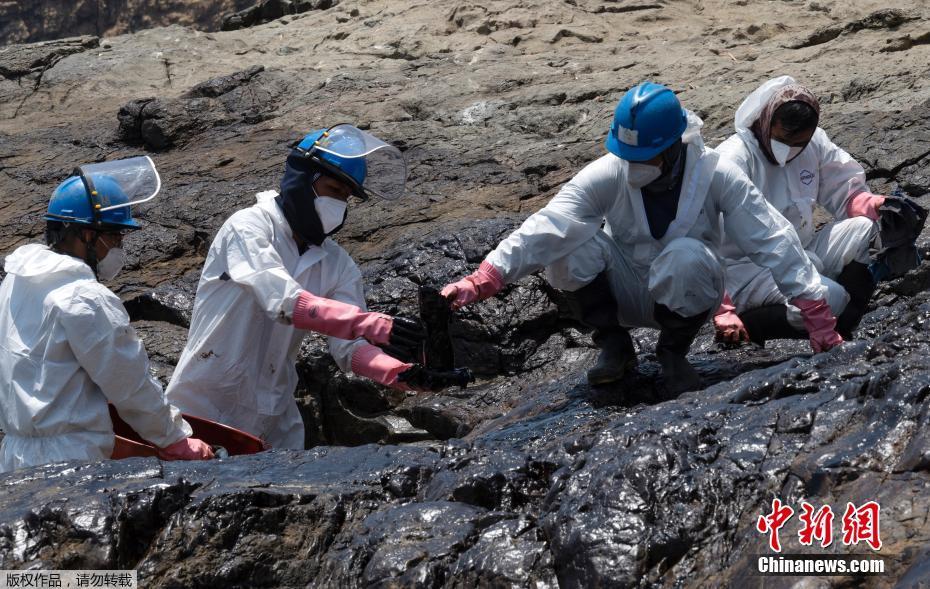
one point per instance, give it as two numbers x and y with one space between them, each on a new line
900 222
407 340
424 379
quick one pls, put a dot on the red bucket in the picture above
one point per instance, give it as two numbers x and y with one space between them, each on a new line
235 442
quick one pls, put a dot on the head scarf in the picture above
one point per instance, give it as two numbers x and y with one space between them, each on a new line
296 199
762 127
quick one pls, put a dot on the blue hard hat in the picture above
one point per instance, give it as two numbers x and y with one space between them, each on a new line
73 203
648 120
349 170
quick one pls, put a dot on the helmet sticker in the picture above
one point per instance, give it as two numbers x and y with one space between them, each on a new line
628 136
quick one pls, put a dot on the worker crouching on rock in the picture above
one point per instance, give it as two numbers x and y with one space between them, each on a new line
66 346
796 167
655 262
273 273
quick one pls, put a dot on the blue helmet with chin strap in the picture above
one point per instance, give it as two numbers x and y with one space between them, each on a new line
365 164
80 200
349 170
648 120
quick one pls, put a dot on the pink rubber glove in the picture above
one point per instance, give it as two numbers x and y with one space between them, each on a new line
342 320
865 204
727 323
371 362
186 449
482 284
820 324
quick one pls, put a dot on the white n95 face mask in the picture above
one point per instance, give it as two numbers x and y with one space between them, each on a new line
331 212
784 153
111 264
639 175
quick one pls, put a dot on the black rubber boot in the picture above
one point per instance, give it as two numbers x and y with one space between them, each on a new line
594 306
860 285
616 358
678 332
769 322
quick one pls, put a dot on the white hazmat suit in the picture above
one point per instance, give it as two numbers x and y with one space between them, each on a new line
683 269
822 174
238 367
66 349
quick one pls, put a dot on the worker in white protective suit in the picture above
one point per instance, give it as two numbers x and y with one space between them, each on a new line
795 166
273 273
66 346
655 262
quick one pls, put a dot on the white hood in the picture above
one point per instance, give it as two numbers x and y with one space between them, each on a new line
266 195
692 134
749 111
36 259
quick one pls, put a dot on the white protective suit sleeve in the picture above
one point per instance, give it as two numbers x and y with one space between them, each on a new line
841 177
108 349
765 236
253 263
350 290
571 218
735 151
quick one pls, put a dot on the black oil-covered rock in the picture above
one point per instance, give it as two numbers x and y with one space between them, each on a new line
267 10
569 488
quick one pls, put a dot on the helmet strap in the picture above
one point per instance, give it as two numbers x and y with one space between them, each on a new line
91 194
90 249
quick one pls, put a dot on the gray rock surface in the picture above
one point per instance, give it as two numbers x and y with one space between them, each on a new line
19 60
41 20
529 477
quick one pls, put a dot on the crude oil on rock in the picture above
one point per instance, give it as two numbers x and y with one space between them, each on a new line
529 478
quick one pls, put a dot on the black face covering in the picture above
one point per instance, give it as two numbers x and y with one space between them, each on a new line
660 197
672 170
296 201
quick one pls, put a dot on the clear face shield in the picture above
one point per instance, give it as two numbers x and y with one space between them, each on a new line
136 177
381 164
